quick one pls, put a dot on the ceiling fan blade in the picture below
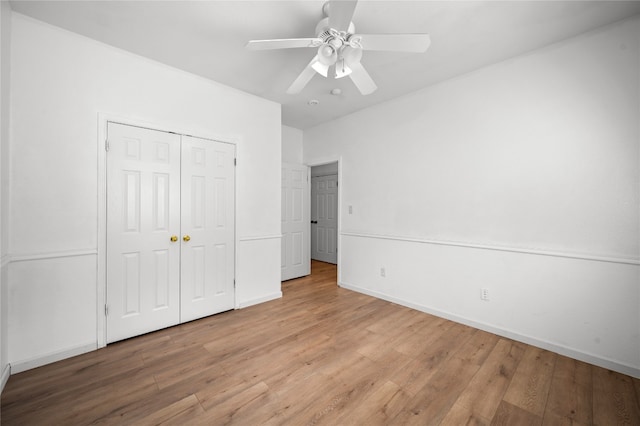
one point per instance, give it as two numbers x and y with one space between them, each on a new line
395 42
305 76
340 13
362 79
283 43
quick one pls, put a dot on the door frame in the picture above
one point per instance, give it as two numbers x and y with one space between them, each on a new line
169 127
321 162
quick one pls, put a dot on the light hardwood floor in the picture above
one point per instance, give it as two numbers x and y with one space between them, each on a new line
321 355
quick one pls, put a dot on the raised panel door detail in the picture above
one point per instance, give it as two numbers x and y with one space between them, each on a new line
322 207
220 269
207 191
295 247
199 273
131 207
321 241
222 159
161 278
332 210
131 288
198 201
143 212
220 199
199 157
297 204
161 201
132 148
162 152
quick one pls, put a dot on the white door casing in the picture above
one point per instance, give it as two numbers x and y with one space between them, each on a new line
208 209
324 218
143 212
295 211
170 225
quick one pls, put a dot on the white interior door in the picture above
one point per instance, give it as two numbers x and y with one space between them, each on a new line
208 211
295 257
324 218
170 229
143 213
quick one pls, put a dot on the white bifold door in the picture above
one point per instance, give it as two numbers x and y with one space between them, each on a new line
170 229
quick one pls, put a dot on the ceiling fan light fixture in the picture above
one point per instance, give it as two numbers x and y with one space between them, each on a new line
327 55
342 70
351 55
338 44
321 68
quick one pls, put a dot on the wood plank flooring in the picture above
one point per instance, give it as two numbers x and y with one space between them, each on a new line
321 355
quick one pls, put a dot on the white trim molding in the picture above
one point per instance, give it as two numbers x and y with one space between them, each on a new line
523 250
259 300
6 372
20 366
27 257
544 344
260 237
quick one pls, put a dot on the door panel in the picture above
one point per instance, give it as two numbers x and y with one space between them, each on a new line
208 210
296 260
324 217
143 211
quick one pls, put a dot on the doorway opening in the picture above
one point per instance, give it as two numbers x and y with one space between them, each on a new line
324 213
310 217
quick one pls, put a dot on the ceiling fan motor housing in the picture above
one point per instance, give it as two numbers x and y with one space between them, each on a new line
333 42
323 30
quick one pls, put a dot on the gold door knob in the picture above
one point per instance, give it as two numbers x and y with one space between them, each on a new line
174 238
186 238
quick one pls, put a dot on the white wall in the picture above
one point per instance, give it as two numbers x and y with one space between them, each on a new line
61 82
522 177
291 145
5 91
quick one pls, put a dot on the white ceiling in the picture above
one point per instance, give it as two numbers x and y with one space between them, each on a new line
207 38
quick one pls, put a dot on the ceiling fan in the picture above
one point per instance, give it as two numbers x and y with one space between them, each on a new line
338 46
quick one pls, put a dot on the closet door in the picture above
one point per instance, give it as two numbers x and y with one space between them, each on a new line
208 212
143 214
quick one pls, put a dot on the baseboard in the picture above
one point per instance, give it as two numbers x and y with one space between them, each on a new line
20 366
258 300
510 334
6 372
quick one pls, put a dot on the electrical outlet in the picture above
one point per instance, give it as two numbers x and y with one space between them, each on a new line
350 209
383 272
484 294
